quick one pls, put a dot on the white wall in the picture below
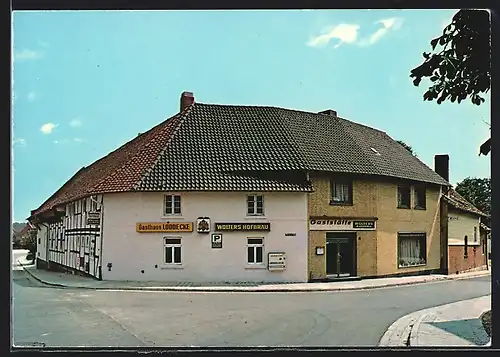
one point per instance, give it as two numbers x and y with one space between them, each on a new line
130 252
462 224
42 243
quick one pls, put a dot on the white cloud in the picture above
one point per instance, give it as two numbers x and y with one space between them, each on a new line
348 34
75 123
67 141
31 96
345 33
387 25
26 54
20 142
48 128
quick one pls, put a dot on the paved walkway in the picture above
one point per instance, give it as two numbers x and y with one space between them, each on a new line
75 281
451 325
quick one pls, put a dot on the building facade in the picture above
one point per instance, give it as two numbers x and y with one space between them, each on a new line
205 236
376 229
240 193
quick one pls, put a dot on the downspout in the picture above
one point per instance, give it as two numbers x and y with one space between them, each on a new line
46 245
100 233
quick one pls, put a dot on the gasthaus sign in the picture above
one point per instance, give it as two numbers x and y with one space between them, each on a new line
164 227
341 224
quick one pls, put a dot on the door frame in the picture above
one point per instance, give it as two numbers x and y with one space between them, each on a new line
353 237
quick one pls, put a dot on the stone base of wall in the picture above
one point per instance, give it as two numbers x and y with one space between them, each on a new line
458 263
41 264
56 267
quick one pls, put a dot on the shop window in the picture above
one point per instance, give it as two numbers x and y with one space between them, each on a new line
412 249
255 251
255 205
420 197
341 193
404 194
173 253
172 204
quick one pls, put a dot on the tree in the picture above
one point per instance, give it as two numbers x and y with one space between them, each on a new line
477 191
29 241
407 147
461 66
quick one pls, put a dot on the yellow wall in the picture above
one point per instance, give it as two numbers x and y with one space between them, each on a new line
462 224
376 250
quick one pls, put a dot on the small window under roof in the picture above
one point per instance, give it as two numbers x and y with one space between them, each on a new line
375 151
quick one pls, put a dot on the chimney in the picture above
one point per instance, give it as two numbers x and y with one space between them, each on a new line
329 112
442 166
187 98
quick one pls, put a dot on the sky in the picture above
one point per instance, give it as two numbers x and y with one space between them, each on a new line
86 82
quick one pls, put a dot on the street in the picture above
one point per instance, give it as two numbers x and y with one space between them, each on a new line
64 317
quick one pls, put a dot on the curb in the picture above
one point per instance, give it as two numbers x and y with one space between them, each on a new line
242 289
404 331
38 279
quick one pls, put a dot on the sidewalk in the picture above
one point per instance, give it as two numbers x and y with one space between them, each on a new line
75 281
451 325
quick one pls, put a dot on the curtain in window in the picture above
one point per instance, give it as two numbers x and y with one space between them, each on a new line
340 192
409 252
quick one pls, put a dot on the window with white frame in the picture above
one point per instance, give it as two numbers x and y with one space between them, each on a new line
255 205
412 249
173 252
172 204
255 250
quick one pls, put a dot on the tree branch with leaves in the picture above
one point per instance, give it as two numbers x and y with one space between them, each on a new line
460 65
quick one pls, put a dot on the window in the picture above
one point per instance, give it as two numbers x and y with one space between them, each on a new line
411 249
172 204
255 251
341 193
475 234
84 205
420 197
404 196
173 251
483 245
255 205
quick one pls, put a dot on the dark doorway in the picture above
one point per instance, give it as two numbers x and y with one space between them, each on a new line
340 254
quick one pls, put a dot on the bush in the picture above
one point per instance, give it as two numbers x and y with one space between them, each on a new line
29 241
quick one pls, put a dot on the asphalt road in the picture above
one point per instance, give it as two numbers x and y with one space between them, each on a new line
64 317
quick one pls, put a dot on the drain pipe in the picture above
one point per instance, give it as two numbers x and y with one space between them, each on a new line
101 234
46 244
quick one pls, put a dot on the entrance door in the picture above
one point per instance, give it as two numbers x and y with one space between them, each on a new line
340 254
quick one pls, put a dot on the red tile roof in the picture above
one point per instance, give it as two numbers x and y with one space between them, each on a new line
458 201
119 170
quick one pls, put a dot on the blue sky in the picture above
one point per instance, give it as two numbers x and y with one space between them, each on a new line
86 82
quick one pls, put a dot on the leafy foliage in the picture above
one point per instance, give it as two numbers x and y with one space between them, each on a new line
477 191
29 241
461 67
406 146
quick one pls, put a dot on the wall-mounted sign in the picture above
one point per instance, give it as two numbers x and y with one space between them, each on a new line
167 227
320 250
216 240
243 227
342 224
290 234
276 261
93 218
453 218
203 225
